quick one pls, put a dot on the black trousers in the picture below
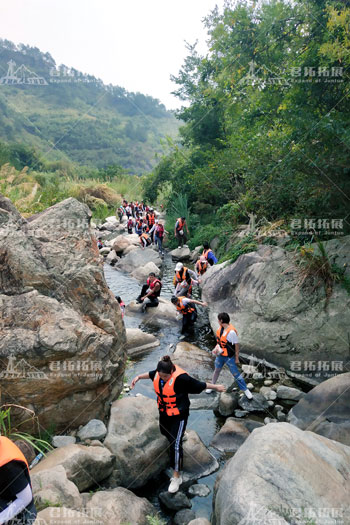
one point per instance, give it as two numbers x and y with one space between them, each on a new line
173 428
151 302
188 321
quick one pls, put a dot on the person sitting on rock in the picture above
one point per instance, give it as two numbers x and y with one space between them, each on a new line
150 292
16 496
172 386
179 231
208 254
227 353
187 307
145 240
201 265
183 280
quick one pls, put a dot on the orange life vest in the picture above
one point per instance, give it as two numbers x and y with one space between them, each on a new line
150 219
181 276
167 400
205 253
221 339
180 225
185 309
202 267
10 452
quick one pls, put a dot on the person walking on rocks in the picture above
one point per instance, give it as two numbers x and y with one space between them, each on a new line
172 386
180 231
187 307
183 280
150 292
227 353
159 235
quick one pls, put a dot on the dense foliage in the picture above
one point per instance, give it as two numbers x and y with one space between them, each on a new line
267 122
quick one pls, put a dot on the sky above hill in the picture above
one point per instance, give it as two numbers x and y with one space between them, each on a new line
135 44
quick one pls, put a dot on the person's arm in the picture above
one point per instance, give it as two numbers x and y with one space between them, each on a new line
218 388
151 292
138 377
176 224
194 276
23 498
195 302
186 384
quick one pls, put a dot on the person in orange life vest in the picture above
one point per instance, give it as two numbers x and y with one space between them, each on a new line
187 307
183 280
139 226
121 304
208 254
179 231
201 265
145 240
150 292
16 497
227 353
172 386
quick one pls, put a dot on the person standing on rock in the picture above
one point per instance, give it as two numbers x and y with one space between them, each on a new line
172 386
183 280
208 254
227 353
16 496
150 292
159 235
187 308
180 231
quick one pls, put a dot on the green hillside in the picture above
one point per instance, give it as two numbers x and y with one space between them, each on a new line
68 115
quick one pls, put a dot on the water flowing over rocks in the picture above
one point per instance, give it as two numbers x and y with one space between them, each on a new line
280 473
276 319
62 336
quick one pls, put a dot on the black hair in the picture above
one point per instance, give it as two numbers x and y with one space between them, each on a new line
119 299
224 317
183 218
206 245
165 365
152 274
174 299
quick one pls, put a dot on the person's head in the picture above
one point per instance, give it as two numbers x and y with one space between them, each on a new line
206 245
202 258
151 277
223 318
183 218
119 299
179 267
174 299
165 368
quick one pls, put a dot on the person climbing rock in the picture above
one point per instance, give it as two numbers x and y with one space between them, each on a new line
145 240
183 280
16 496
180 231
227 353
209 254
172 386
187 307
201 265
150 292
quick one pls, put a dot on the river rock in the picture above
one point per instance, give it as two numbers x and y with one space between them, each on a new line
120 244
183 517
241 413
268 393
52 486
65 516
138 342
281 416
62 441
94 429
142 272
196 253
112 258
176 501
120 506
161 314
200 490
134 437
105 250
85 466
181 254
199 521
326 409
61 344
228 403
231 436
204 401
291 394
129 249
257 404
277 319
287 474
198 461
137 258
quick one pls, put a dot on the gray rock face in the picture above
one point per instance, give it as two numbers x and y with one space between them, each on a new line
176 501
228 403
199 521
134 437
53 486
180 254
183 517
198 461
199 490
231 436
62 337
137 258
293 474
64 515
63 441
138 342
291 394
160 315
276 319
326 409
94 429
84 466
141 273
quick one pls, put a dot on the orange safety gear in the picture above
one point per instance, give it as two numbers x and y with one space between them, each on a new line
221 339
168 401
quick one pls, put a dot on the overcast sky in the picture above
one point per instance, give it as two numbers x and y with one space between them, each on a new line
136 44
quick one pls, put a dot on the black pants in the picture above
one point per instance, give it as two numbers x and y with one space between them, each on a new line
173 428
181 239
188 321
151 302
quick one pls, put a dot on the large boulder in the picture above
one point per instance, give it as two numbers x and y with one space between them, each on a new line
65 516
142 272
120 244
277 319
326 409
282 474
198 461
120 506
94 429
181 254
62 337
161 314
53 487
134 437
231 436
138 342
84 466
137 258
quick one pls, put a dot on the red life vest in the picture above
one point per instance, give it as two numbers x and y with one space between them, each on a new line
185 309
221 339
152 285
160 230
167 400
202 267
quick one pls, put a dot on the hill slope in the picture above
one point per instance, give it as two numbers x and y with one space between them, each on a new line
67 114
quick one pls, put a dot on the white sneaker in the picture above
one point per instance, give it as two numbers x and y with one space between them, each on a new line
174 485
248 394
208 390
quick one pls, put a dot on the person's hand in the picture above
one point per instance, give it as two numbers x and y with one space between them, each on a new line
142 298
220 388
204 304
133 382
